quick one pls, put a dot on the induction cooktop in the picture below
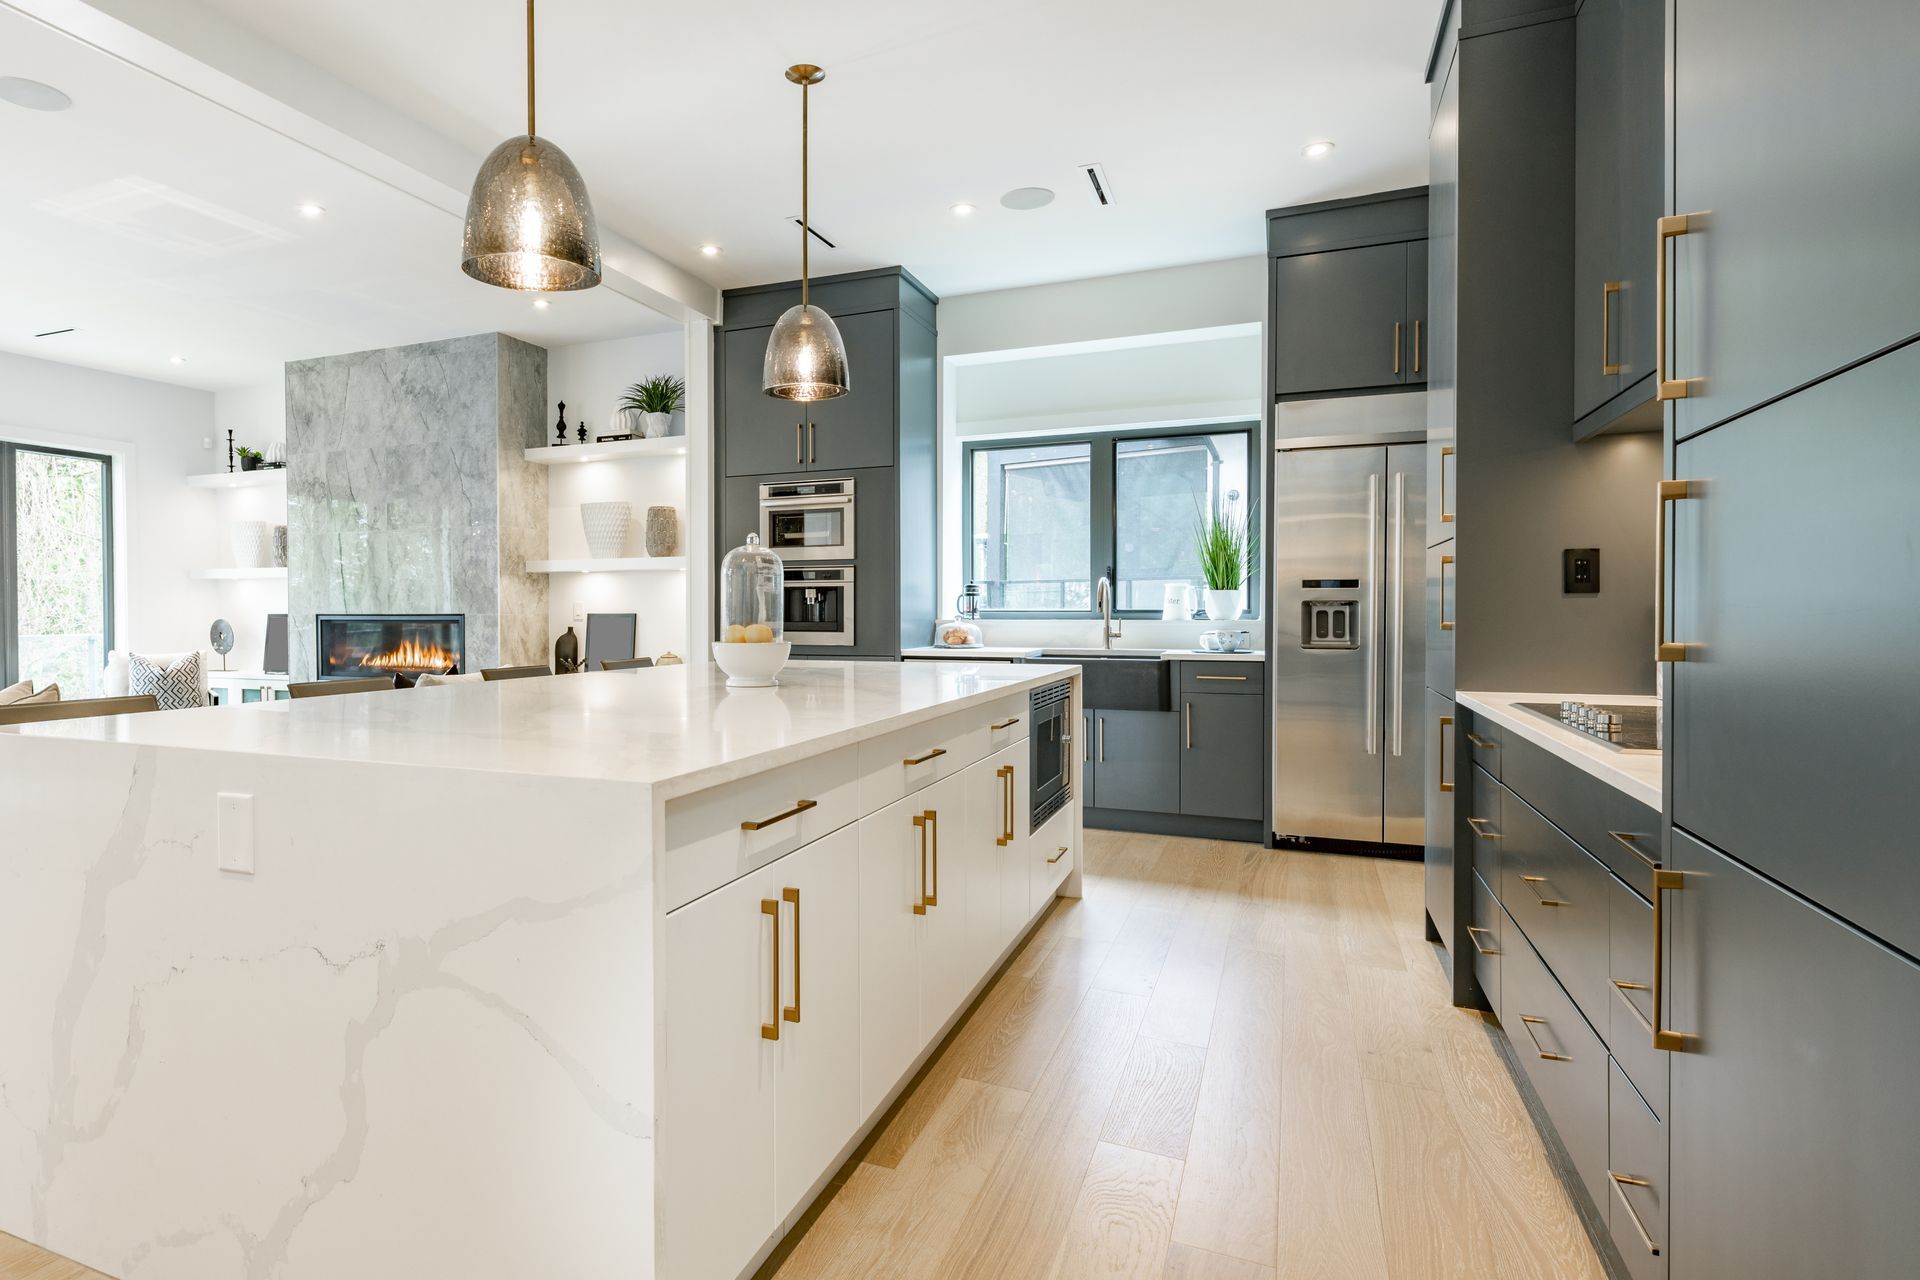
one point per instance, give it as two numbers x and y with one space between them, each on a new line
1625 728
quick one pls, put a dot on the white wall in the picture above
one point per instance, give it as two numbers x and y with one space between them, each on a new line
157 435
1204 295
256 415
590 376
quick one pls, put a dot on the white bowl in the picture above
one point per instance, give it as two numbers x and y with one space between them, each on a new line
751 666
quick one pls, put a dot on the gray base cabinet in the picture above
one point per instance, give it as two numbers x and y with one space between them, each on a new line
1443 891
1136 761
1637 1184
1221 760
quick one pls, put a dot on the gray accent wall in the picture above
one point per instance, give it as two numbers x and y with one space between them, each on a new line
407 491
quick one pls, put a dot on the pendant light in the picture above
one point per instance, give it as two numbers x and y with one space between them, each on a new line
806 360
529 221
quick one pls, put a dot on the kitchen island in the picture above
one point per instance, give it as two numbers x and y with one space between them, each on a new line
592 976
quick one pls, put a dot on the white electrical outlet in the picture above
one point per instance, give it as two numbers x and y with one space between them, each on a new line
235 828
579 612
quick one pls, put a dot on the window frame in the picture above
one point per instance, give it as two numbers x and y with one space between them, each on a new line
1103 533
10 550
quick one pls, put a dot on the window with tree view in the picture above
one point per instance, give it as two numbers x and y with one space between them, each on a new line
56 572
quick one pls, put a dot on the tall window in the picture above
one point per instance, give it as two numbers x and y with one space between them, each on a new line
56 567
1045 518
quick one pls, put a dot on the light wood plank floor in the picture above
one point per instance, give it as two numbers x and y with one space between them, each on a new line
1223 1063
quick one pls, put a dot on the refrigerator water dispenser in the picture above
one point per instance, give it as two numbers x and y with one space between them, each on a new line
1328 624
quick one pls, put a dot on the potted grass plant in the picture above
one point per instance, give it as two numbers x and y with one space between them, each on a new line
1227 544
656 400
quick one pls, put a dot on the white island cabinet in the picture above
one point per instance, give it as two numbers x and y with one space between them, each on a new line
595 976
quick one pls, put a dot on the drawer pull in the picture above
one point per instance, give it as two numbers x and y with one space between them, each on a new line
1442 580
934 754
1667 388
771 1030
792 1012
920 825
1481 742
1446 516
1669 1041
1534 883
1608 365
1620 988
1005 774
799 807
1444 722
1056 857
1480 829
1241 679
1529 1022
1005 724
1473 932
1665 650
1622 1181
1631 843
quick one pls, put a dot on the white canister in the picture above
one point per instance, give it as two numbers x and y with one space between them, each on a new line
1178 606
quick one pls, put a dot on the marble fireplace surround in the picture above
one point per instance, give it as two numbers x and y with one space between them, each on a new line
408 492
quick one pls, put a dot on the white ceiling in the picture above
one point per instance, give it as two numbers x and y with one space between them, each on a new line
686 131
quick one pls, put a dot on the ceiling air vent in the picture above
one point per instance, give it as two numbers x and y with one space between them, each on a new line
815 233
1097 179
54 333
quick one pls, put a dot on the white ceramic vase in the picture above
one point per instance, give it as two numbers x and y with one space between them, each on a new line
626 422
606 528
1223 606
252 544
655 425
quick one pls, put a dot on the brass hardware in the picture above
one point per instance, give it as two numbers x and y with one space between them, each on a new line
1472 929
1481 742
1679 224
1631 843
799 444
920 824
1056 857
1608 365
1620 988
799 807
1670 1041
1669 491
792 1012
813 438
1621 1180
936 752
1534 883
1186 722
1242 679
1100 738
1009 804
933 827
1444 722
530 130
1446 516
1529 1023
1005 724
1479 827
1005 774
771 1030
1444 562
1416 346
1396 347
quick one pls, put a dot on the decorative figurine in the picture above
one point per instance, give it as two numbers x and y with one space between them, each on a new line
230 465
583 431
559 428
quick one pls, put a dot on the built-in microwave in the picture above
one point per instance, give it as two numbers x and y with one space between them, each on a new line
1050 739
808 519
819 604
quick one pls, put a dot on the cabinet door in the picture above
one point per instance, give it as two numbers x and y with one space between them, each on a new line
1443 611
1444 889
1598 32
1083 780
1636 1210
1137 758
1796 588
982 829
1439 360
717 1105
1340 319
1793 131
1222 763
819 1087
758 433
948 964
859 429
1795 1141
893 882
1415 362
1015 905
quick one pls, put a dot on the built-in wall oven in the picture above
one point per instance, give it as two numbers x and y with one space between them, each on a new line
1051 750
819 604
808 519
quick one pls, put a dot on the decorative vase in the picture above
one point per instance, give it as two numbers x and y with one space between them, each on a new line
606 527
279 546
626 422
663 531
277 454
655 425
1223 606
252 544
566 653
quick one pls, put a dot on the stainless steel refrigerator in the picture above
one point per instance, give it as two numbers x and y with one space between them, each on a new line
1347 543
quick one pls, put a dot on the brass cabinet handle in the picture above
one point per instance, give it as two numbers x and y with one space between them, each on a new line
1673 225
920 825
1620 988
1529 1022
792 1012
1086 748
1242 679
1621 1181
799 444
1396 347
771 1030
1480 742
1100 738
933 829
799 807
1005 774
933 754
1671 1041
1444 722
1416 346
1534 883
1631 843
1444 562
1474 929
813 438
1607 364
1056 857
1446 451
1480 828
1669 491
1186 722
1005 724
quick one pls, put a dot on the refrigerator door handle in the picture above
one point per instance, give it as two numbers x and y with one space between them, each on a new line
1370 723
1396 583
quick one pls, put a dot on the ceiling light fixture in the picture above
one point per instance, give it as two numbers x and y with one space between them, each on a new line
806 358
529 222
1314 150
963 210
710 250
311 210
32 95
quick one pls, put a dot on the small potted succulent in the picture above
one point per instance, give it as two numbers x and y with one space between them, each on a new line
656 400
250 459
1227 545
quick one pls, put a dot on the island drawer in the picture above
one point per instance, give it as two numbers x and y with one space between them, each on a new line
1485 738
1636 1208
1629 1025
897 764
1561 1056
1223 677
708 842
1050 850
1610 824
1484 934
1558 895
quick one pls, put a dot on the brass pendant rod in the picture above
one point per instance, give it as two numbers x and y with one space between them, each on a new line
529 68
805 234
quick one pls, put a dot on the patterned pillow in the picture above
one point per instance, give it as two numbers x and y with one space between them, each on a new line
14 692
175 685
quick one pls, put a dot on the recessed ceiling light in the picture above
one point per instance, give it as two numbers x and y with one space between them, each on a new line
1314 150
962 210
541 304
710 250
176 359
32 95
309 209
1027 198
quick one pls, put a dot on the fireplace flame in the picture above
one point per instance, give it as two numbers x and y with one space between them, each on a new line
410 655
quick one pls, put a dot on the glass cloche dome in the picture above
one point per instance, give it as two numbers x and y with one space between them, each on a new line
753 604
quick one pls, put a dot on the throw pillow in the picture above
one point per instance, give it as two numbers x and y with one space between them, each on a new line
430 680
15 692
174 685
49 694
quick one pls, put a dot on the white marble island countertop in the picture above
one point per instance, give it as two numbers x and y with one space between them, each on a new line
675 729
1637 773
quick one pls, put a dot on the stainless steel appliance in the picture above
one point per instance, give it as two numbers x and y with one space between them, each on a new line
819 605
1347 543
808 519
1051 740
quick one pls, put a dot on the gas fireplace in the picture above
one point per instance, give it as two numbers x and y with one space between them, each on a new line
385 644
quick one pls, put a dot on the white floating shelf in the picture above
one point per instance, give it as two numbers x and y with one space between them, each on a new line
612 451
239 479
623 564
239 575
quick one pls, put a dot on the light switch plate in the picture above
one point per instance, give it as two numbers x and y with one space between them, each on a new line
1580 571
235 832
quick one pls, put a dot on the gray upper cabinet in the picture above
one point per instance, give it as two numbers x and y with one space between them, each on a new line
1793 132
858 429
1618 153
762 434
1795 1141
1221 761
1136 761
1341 320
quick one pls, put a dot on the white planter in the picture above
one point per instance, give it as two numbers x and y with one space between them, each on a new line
252 544
1223 606
606 528
655 425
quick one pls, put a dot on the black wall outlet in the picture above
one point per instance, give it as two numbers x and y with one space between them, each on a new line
1580 571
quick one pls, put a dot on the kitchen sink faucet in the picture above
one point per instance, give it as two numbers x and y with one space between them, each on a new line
1103 601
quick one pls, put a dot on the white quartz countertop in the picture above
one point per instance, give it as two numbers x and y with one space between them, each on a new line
1021 653
1637 773
676 729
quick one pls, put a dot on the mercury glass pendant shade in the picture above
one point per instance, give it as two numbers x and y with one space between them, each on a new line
806 360
529 221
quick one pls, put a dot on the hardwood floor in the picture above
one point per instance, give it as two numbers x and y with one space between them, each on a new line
1223 1063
